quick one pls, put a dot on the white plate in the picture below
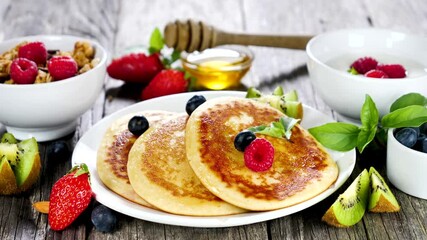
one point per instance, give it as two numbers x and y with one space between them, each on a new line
86 148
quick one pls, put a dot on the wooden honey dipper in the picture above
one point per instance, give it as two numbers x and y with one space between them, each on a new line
193 35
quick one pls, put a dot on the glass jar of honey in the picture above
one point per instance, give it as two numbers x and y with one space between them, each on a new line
218 68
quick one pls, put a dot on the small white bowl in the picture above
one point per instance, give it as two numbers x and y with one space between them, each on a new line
406 168
49 111
330 55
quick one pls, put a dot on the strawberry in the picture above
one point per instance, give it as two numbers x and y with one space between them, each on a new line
69 197
135 67
393 70
167 82
34 51
364 64
375 73
62 67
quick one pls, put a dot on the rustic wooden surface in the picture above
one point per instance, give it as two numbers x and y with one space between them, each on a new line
120 24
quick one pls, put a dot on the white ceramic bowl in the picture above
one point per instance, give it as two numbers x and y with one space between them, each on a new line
330 55
48 111
406 168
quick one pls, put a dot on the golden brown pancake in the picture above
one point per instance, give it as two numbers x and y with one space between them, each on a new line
113 154
301 167
159 172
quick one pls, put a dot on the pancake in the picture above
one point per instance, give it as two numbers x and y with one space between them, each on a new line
159 172
301 167
112 156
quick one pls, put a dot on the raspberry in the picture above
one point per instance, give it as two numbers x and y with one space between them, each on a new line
62 67
374 73
365 64
135 67
34 51
393 70
23 71
259 155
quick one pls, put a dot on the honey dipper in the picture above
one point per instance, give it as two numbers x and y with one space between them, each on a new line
193 35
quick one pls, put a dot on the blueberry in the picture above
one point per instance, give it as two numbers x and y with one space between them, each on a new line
423 128
193 103
104 219
407 137
138 125
421 144
243 139
58 151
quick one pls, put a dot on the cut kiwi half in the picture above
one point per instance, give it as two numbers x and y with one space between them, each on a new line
7 178
23 159
350 206
381 198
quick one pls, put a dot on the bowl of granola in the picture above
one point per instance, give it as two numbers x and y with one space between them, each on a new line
47 82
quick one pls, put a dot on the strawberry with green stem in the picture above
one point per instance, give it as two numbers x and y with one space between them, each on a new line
69 197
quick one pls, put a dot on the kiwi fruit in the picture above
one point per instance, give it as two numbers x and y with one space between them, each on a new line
350 206
7 178
22 159
381 198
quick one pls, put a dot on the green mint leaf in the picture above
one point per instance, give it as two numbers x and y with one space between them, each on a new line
156 41
353 71
279 129
408 100
337 136
369 118
410 116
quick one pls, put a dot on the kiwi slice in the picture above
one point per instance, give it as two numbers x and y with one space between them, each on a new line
28 167
381 199
8 138
10 151
7 178
350 206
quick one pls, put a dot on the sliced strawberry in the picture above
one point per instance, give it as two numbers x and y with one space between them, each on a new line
393 70
69 197
135 67
374 73
167 82
364 64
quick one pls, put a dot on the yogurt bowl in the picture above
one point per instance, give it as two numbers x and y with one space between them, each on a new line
48 111
331 54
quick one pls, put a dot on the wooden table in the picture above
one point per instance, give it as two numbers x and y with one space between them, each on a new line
121 24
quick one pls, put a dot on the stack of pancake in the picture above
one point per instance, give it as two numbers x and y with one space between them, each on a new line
188 165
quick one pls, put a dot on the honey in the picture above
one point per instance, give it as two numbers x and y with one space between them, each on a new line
218 68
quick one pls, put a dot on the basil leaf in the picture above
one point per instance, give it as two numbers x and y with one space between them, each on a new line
408 100
337 136
369 117
288 123
410 116
156 41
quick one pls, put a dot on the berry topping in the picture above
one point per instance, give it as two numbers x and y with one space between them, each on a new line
104 219
137 125
62 67
243 139
167 82
393 70
193 103
34 51
365 64
135 67
374 73
259 155
23 71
